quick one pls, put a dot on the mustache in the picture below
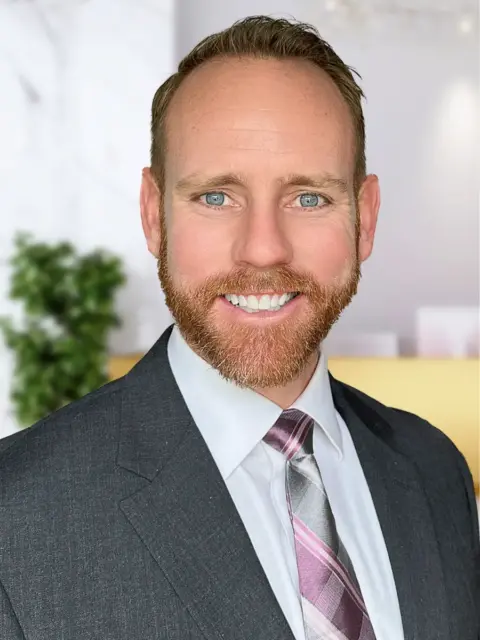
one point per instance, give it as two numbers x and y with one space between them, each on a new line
253 281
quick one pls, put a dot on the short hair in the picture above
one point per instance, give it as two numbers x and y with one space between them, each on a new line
262 37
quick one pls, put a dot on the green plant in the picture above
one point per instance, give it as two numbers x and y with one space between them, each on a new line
60 346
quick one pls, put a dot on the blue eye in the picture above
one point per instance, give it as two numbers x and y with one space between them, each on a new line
310 200
214 198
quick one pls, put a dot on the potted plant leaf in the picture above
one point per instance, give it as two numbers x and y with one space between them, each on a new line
61 345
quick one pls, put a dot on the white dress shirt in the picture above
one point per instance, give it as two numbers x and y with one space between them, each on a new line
233 422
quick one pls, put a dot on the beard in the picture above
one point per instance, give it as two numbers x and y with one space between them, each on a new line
254 356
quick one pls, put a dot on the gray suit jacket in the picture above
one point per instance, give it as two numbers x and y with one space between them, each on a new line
115 523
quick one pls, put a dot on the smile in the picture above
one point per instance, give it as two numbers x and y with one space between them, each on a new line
264 302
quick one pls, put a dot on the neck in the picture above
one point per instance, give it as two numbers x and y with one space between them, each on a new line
286 396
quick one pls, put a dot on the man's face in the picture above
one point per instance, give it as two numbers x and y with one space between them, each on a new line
259 238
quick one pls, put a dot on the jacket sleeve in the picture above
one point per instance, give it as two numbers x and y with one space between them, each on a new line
9 625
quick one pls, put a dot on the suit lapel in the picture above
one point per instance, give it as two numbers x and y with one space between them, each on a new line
185 515
400 503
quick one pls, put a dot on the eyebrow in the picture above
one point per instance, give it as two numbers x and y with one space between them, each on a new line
316 182
197 181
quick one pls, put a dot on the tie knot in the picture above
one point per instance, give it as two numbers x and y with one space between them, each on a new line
292 434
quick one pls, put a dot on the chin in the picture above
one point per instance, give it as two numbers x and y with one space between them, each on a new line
266 371
259 357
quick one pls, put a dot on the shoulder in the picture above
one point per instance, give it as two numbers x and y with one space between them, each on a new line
86 423
405 431
426 446
439 463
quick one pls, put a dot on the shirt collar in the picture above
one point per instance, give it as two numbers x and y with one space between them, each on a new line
233 420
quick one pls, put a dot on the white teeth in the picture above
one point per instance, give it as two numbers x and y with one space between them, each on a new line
265 302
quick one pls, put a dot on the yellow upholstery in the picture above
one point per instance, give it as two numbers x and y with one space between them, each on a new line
444 392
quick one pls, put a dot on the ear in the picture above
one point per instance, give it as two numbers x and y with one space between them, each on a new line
150 199
368 207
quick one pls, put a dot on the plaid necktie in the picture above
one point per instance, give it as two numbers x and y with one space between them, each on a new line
332 603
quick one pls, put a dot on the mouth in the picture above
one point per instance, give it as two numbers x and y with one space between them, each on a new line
263 302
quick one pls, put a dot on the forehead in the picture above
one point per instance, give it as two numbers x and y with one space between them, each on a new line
232 114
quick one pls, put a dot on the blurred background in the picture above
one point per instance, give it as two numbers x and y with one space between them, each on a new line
77 78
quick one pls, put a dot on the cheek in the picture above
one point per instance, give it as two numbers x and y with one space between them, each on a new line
195 250
327 253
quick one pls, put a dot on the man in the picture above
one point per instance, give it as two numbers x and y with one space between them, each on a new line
228 487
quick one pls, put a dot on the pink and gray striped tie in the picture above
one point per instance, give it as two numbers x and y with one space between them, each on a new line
332 603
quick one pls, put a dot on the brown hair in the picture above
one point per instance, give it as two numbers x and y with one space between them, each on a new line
262 37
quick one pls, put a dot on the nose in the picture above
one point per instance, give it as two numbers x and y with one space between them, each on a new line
263 240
